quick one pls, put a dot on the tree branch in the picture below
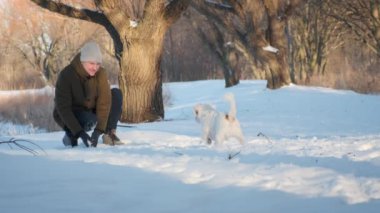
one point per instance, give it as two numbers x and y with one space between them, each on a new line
17 143
86 15
66 10
219 5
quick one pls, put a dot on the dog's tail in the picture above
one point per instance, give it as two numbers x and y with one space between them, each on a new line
229 97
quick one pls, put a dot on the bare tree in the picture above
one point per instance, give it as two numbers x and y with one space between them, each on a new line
49 48
362 17
40 41
138 46
11 32
216 38
186 57
313 35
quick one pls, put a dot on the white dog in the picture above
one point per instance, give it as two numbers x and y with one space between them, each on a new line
218 126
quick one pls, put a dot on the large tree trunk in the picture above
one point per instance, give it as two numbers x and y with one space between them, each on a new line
276 71
276 63
140 75
140 81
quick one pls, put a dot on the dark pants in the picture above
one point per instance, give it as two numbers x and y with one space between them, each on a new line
87 119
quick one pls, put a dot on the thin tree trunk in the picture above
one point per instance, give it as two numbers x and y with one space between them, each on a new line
231 75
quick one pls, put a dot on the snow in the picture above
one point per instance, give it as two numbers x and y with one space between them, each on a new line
133 23
270 48
308 149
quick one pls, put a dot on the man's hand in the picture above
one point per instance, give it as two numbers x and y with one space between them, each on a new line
85 137
95 137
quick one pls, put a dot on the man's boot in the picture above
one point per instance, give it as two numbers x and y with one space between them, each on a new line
110 138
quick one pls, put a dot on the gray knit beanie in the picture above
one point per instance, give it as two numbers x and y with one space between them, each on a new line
91 52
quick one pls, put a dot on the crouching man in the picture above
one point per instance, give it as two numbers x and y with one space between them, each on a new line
84 100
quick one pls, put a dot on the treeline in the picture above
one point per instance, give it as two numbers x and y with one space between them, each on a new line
332 43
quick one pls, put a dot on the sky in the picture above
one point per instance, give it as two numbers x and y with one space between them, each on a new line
307 149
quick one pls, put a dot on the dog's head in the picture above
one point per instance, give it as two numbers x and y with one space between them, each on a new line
202 111
198 112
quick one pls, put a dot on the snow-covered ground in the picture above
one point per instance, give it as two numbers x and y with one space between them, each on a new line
307 149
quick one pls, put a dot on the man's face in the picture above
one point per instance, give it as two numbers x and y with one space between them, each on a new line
91 67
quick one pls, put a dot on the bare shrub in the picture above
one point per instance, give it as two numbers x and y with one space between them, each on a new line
351 67
29 108
16 75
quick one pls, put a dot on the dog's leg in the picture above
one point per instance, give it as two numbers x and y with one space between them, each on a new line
241 139
219 138
240 135
206 135
209 141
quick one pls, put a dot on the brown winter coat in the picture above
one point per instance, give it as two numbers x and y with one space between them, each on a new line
76 90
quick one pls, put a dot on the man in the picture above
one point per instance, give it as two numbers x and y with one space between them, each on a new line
83 99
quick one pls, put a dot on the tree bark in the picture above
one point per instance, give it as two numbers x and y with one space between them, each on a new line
141 83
